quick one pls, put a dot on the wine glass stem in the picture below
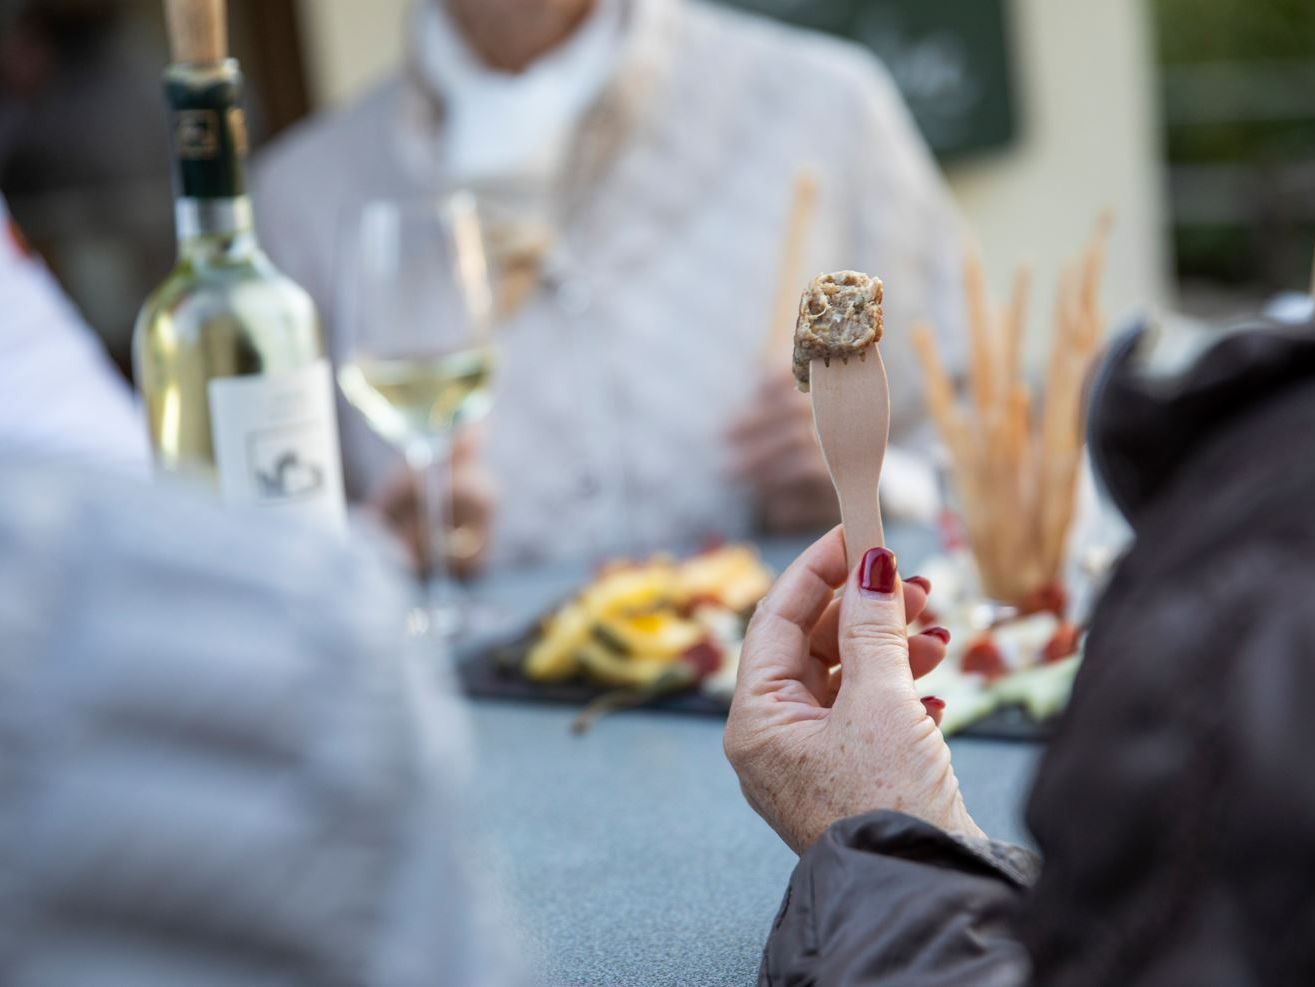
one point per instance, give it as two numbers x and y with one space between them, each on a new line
429 462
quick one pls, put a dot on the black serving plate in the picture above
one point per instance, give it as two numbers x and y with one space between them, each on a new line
493 672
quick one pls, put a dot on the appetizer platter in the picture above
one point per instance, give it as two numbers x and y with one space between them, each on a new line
1008 671
667 634
663 631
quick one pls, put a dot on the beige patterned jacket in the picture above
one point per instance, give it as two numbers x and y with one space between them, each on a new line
642 335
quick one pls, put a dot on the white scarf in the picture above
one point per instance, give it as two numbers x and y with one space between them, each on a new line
515 128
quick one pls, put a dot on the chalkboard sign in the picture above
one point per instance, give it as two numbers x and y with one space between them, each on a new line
950 58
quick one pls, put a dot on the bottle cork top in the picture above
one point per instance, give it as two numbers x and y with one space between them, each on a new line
198 30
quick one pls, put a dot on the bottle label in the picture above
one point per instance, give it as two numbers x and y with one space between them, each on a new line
276 443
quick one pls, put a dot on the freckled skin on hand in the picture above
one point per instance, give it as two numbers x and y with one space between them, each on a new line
806 764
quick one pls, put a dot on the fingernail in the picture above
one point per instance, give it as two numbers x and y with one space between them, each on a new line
935 708
878 571
940 633
920 581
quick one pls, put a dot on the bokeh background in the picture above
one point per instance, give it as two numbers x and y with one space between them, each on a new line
1193 120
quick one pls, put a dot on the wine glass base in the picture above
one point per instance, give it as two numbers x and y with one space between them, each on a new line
483 620
440 623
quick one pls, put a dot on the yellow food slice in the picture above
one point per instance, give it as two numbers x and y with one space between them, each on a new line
553 656
733 574
630 589
657 636
608 668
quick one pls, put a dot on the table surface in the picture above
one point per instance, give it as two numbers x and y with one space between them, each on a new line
628 856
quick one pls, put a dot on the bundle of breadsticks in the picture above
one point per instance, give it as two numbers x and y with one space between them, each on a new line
1015 456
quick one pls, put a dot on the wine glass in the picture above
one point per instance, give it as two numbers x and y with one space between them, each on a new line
419 358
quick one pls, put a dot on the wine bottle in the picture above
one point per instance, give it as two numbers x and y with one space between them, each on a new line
227 352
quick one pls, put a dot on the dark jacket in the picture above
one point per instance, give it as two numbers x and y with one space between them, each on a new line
1175 808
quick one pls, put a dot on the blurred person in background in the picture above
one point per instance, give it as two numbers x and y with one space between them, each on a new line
1174 809
219 762
63 399
83 151
634 162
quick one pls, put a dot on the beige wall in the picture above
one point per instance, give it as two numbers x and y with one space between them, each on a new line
1089 141
350 44
1088 138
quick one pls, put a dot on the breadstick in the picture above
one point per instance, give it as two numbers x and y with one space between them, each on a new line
1015 323
1053 421
940 391
1092 269
955 431
1015 464
981 354
790 274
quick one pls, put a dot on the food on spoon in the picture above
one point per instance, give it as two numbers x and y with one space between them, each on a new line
839 318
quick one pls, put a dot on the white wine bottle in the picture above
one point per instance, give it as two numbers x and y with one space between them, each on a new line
227 352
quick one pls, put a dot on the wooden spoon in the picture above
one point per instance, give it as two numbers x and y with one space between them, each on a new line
851 414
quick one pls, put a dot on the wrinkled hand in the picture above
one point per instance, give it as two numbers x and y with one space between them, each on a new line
826 721
470 509
774 450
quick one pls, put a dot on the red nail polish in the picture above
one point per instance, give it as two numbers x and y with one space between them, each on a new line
920 581
935 708
940 633
878 571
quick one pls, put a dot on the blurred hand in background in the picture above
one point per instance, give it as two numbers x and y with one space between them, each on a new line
774 451
468 508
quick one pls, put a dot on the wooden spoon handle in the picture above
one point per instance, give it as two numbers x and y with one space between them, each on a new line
851 413
860 513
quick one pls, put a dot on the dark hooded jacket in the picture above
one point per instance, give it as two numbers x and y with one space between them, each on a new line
1175 807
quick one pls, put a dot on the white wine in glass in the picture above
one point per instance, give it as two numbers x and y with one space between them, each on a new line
409 399
419 360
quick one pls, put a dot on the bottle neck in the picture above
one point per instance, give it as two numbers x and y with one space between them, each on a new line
212 210
215 229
